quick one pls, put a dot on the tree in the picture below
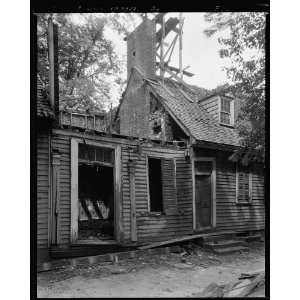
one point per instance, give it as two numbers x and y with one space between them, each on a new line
89 66
245 47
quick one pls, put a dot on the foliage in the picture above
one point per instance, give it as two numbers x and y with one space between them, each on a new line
90 69
245 47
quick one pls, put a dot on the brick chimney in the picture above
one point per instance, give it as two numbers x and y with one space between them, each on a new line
141 49
53 66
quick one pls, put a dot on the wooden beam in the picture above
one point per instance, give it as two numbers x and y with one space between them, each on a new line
249 288
169 26
158 18
74 190
171 68
182 239
179 79
53 66
180 45
172 45
162 49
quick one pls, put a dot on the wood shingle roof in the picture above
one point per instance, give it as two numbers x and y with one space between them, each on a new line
182 102
43 107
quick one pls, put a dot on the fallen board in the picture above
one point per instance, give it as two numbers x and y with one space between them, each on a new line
251 274
184 238
258 281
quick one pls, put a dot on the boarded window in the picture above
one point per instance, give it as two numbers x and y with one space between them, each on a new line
162 185
244 184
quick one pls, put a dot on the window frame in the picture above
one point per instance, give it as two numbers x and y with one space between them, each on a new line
159 156
231 113
250 183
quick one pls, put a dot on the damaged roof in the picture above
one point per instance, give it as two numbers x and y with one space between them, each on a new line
182 102
43 107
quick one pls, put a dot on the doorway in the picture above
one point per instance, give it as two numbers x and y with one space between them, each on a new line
96 202
204 193
95 192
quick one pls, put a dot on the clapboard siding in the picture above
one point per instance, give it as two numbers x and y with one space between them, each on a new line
156 228
63 145
175 224
212 106
42 188
229 214
150 227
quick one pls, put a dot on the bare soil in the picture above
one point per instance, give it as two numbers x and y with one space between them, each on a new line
183 274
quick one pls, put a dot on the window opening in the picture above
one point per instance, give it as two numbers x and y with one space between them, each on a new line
155 184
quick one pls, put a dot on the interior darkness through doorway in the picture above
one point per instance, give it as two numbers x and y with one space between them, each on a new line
96 202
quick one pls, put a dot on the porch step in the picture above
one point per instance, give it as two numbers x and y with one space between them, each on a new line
223 244
252 238
228 250
218 237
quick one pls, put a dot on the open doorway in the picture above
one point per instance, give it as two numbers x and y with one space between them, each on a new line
95 194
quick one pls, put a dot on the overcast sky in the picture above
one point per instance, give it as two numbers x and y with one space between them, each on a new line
199 52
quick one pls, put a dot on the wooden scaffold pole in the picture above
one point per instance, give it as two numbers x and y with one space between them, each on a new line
180 45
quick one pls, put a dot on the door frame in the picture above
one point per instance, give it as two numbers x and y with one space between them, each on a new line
74 187
213 191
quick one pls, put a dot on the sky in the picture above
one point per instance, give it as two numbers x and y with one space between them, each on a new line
199 52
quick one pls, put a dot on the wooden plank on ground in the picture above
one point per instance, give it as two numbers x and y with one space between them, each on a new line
259 280
184 238
251 274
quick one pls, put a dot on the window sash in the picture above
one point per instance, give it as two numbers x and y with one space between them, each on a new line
225 105
225 117
226 113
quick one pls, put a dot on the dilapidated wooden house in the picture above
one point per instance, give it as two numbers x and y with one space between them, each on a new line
165 174
216 193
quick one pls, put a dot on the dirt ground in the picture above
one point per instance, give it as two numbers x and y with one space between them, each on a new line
183 274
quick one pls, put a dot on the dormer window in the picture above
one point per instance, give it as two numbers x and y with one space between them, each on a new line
226 111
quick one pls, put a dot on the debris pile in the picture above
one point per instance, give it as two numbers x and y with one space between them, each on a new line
249 284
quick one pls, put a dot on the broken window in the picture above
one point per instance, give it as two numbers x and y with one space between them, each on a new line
162 185
155 118
156 127
244 184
